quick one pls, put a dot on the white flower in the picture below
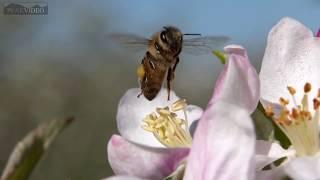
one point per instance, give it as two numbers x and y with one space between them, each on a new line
132 111
290 82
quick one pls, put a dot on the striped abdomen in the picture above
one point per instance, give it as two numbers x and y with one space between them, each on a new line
155 71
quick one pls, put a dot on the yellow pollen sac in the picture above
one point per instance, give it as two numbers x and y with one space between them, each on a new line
316 104
179 105
269 111
291 90
301 123
307 87
167 128
295 113
283 101
140 71
163 111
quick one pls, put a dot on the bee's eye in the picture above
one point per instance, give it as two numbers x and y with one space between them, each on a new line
163 36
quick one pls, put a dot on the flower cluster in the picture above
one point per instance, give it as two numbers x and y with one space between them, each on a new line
156 141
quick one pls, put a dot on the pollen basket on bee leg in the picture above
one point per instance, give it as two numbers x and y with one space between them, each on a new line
140 71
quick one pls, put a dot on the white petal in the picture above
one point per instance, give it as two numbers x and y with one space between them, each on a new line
304 168
268 152
238 83
132 111
291 59
223 145
126 158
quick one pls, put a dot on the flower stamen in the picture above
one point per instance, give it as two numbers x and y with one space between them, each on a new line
169 130
292 91
300 124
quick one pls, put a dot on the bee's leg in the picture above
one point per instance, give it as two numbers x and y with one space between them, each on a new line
140 94
142 85
175 66
169 79
170 76
142 77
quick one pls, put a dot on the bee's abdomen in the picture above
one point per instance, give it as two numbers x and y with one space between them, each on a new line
154 76
151 93
153 84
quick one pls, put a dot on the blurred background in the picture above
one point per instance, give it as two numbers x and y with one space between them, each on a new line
63 64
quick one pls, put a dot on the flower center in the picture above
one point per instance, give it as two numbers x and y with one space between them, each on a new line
169 130
300 124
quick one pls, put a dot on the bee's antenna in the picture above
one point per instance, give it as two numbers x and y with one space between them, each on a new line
191 34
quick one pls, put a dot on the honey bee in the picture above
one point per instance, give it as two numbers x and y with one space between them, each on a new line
162 56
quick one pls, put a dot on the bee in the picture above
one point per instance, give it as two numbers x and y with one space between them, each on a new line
162 56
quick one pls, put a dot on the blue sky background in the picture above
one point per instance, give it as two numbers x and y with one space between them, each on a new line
247 22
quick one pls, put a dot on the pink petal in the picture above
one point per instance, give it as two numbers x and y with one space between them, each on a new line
318 34
223 146
123 178
238 83
127 158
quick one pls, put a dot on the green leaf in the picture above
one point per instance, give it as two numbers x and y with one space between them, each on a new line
278 134
221 56
263 125
31 148
281 137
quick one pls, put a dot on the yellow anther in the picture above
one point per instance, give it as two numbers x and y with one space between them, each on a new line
160 133
147 128
179 105
316 103
307 87
179 121
291 90
159 124
269 111
149 121
140 71
307 115
153 116
286 122
163 111
173 114
167 128
283 101
294 113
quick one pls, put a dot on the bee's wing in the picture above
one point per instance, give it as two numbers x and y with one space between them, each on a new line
130 41
203 45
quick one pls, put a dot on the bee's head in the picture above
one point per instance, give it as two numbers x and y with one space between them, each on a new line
171 39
